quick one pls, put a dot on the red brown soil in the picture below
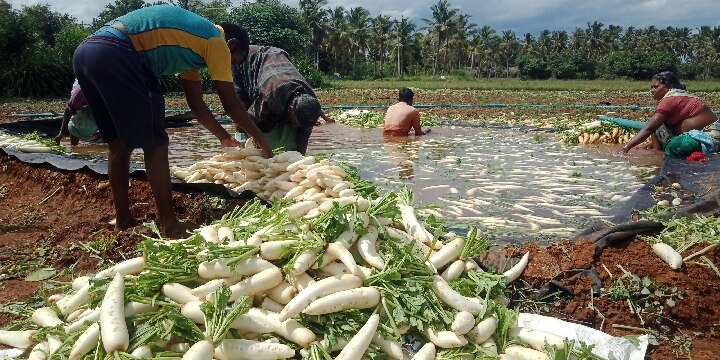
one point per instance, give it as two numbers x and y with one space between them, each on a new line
42 227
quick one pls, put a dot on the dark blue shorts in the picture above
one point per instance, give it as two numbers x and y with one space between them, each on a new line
123 94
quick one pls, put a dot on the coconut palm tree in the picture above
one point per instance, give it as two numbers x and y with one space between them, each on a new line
402 38
316 17
439 27
381 28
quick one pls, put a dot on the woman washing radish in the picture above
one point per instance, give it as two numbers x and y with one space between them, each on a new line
682 122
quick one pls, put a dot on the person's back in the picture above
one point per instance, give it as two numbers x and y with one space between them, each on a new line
402 117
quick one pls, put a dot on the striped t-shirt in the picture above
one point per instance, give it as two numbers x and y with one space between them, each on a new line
173 40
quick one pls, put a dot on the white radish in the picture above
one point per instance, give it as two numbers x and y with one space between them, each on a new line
128 267
263 321
537 338
209 287
517 352
271 305
668 255
92 316
142 352
304 262
454 299
273 250
483 330
210 234
45 316
53 343
454 270
308 160
412 225
517 270
301 281
75 314
463 323
338 268
79 282
392 349
449 253
201 350
226 233
182 347
178 293
17 338
299 209
359 298
418 247
87 341
260 282
134 308
489 347
219 268
39 352
113 328
343 254
282 293
319 289
367 248
75 300
356 347
471 265
241 349
426 352
445 339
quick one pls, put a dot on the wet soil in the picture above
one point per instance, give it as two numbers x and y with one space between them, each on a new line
59 219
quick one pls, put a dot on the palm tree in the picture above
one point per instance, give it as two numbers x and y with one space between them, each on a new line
508 48
358 21
315 15
461 30
381 28
559 41
439 26
402 38
338 42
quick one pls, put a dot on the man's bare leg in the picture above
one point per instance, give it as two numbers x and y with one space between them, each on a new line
158 173
119 176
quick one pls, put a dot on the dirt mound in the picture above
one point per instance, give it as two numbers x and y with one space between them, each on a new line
59 219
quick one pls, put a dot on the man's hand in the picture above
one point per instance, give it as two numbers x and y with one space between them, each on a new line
230 142
264 146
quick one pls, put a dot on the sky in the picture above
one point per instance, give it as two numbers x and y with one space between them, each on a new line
521 16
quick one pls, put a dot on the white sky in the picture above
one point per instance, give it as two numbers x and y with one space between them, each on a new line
521 16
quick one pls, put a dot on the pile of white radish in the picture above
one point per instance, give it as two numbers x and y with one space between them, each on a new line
299 274
13 142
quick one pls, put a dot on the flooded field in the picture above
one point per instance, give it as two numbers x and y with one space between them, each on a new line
510 183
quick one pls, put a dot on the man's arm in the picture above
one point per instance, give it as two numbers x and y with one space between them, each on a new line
194 97
652 125
416 123
239 115
64 126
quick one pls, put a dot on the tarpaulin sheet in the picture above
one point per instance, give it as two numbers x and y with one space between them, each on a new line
698 178
49 127
99 166
632 124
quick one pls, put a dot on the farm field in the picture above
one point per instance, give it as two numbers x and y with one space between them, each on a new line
57 220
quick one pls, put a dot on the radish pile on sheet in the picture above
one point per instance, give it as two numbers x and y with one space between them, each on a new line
13 142
323 273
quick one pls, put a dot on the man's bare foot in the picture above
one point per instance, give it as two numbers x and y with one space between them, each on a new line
124 224
178 230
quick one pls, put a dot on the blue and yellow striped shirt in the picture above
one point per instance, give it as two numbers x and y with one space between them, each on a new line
174 40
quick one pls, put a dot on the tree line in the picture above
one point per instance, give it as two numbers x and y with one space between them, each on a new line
37 43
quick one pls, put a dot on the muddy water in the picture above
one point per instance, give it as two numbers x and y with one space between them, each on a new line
510 183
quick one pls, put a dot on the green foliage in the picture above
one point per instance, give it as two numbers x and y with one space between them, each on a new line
571 65
638 65
115 10
533 68
272 23
308 70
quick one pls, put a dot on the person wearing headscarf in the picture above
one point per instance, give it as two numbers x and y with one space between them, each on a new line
682 123
277 97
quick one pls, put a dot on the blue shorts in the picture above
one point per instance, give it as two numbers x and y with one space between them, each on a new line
123 94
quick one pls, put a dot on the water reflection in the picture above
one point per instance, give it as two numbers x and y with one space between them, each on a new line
402 152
